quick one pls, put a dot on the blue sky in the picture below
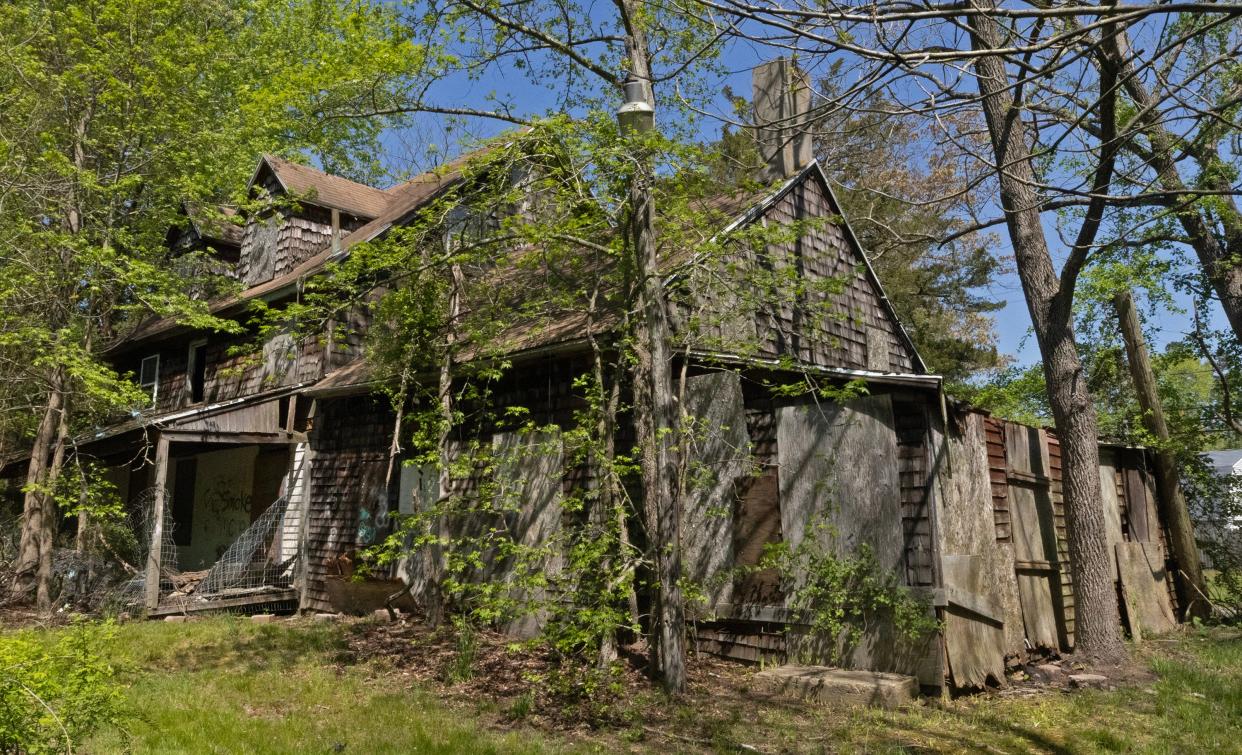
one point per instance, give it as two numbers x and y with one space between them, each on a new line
430 139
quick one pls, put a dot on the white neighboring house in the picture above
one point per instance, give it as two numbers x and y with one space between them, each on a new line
1223 522
1228 464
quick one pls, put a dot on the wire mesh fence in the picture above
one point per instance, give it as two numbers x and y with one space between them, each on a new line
258 559
264 558
143 521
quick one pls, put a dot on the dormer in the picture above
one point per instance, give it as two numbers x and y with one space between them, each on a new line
304 210
212 230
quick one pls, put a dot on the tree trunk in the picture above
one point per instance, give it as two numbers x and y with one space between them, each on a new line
1097 630
653 397
34 510
51 517
1190 582
435 554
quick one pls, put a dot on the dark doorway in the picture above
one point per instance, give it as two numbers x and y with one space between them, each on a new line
183 500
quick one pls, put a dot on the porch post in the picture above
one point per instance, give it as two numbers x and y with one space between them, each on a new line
157 523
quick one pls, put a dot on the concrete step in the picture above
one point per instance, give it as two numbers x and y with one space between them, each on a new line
835 686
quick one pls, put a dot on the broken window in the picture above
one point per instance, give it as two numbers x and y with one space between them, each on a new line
196 370
419 487
149 375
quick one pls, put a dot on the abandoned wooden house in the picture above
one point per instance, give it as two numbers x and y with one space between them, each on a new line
283 458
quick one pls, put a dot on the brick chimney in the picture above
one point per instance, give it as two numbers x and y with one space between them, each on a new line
782 102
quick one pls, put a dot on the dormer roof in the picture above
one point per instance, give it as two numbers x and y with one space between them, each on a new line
313 186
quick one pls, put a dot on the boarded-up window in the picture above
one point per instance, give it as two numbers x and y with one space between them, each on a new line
259 251
877 349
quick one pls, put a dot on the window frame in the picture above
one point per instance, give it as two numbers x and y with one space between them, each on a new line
192 367
154 385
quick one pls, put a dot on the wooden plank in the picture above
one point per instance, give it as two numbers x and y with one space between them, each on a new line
280 438
152 586
184 606
1141 529
1035 556
1032 479
1112 505
1144 588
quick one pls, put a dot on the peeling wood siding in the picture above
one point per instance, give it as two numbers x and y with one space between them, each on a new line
849 329
998 466
350 441
279 363
275 244
915 473
1058 512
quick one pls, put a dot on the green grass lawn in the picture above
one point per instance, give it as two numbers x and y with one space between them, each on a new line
229 685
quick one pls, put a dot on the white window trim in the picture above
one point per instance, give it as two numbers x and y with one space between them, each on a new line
154 385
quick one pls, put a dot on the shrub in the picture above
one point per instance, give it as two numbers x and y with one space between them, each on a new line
53 696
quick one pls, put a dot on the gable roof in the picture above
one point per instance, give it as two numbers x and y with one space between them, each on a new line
403 202
1226 462
316 187
558 328
815 170
573 327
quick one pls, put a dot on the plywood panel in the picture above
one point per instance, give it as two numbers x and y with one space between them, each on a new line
719 459
1112 503
837 468
965 517
1142 523
1144 587
974 643
528 469
1035 555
